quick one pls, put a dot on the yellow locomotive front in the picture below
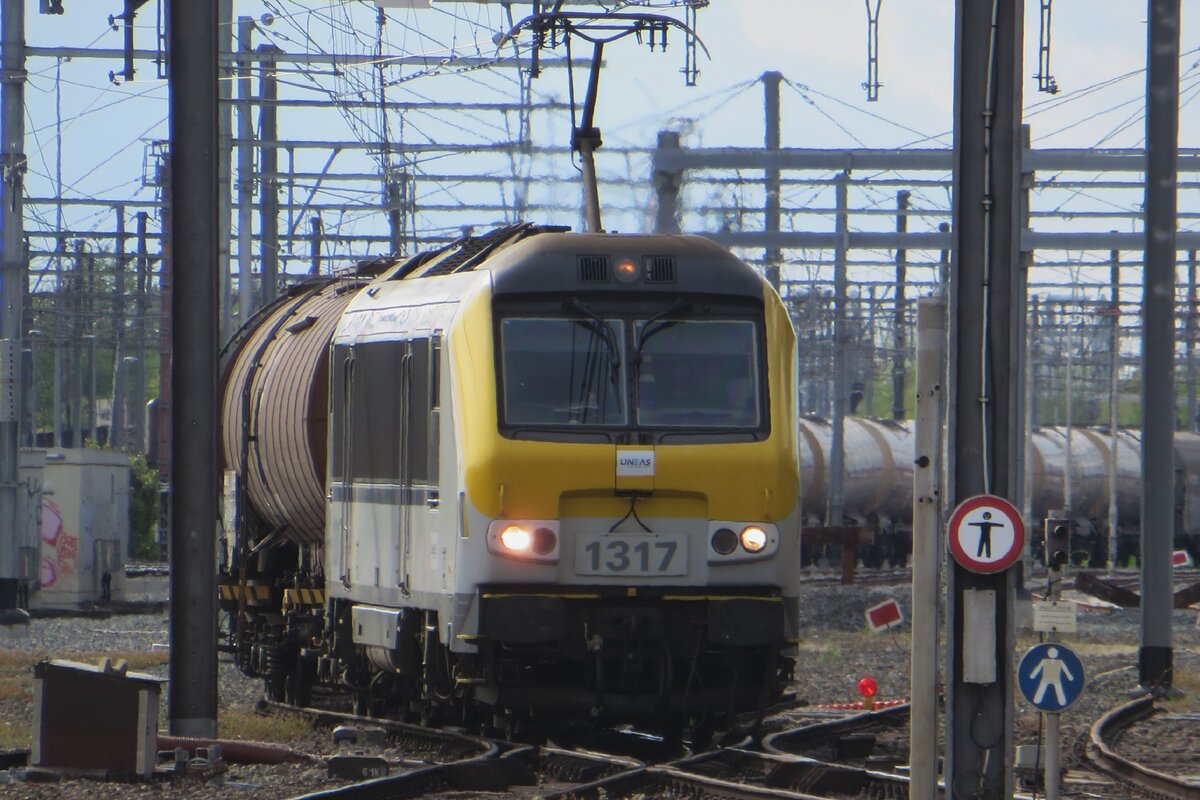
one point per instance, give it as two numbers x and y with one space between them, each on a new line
625 429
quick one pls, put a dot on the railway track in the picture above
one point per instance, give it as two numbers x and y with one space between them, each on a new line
474 764
1102 754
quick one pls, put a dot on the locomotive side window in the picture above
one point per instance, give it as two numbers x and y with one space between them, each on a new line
384 413
562 372
341 389
375 418
672 392
415 403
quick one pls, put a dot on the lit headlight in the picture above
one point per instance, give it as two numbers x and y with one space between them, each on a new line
516 539
530 540
739 542
754 539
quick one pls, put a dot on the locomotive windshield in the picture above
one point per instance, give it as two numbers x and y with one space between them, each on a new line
671 374
698 374
563 371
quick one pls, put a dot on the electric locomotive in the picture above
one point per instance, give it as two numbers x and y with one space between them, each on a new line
531 477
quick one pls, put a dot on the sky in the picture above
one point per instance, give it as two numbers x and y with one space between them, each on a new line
820 46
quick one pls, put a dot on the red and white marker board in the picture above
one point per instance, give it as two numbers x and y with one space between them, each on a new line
986 534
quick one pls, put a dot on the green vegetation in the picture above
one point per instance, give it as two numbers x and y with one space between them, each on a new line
253 727
143 510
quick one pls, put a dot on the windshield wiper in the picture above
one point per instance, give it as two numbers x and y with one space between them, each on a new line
647 330
575 304
610 339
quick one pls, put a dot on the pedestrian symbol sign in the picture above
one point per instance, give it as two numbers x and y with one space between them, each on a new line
986 534
1050 676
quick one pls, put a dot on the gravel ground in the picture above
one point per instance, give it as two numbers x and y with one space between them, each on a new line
836 651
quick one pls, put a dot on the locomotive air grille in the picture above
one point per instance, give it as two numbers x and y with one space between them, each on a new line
593 269
660 269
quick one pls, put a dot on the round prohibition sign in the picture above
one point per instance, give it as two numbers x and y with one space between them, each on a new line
987 534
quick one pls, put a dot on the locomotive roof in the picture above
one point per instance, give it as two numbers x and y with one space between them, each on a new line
527 258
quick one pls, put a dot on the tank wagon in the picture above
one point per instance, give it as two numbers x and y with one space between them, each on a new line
1071 477
528 478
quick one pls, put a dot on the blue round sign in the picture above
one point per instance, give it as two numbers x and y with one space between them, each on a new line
1051 676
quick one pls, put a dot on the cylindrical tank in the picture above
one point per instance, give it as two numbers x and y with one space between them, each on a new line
274 409
1187 461
878 468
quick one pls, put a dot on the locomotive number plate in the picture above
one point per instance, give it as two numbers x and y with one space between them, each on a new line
608 554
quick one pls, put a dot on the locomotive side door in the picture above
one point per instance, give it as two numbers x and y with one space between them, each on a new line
419 441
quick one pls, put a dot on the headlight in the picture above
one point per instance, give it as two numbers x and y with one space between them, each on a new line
516 539
528 540
732 542
754 539
724 541
544 542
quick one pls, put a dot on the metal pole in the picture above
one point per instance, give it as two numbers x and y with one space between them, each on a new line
225 149
12 271
116 430
268 93
986 401
90 338
138 396
1114 400
194 307
1158 342
245 172
34 336
1193 413
58 395
587 141
901 322
837 447
931 371
1068 468
772 139
75 350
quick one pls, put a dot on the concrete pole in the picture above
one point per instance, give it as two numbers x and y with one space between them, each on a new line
317 233
666 186
837 447
12 272
771 141
1158 342
927 550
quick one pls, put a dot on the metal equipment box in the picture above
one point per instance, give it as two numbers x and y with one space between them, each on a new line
94 718
85 527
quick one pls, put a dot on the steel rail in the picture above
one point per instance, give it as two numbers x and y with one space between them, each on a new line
1102 755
